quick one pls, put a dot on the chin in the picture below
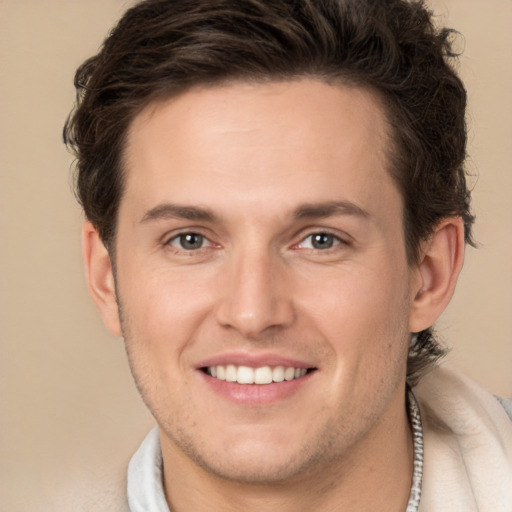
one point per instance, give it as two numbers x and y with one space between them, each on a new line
255 470
256 459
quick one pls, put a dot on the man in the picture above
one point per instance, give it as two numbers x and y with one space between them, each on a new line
276 216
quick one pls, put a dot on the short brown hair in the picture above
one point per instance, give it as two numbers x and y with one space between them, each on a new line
161 48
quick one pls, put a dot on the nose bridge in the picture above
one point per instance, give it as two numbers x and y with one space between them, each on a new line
255 297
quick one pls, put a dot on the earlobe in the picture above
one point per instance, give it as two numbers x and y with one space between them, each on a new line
441 261
100 277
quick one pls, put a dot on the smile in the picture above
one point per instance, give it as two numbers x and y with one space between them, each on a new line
260 376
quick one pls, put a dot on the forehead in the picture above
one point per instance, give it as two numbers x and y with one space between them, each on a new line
301 105
300 141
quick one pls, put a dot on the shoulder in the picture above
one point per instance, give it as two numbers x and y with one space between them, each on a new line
145 487
467 443
450 396
506 404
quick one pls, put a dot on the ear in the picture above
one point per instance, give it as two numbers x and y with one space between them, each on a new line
441 260
100 277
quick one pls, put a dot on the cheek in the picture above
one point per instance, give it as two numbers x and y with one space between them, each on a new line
163 294
363 315
160 314
361 297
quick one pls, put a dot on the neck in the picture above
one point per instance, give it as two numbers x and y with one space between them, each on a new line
376 475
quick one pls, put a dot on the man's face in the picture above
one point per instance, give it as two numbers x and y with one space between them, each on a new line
260 237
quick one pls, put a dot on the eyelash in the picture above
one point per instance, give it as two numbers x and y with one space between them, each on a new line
180 238
333 241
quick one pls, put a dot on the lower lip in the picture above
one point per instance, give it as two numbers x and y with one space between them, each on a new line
255 394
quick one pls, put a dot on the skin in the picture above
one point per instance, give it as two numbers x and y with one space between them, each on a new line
254 170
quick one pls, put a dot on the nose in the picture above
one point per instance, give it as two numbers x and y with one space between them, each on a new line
256 296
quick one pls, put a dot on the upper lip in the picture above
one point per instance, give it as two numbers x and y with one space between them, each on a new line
255 361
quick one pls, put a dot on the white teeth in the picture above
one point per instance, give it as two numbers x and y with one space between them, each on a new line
289 374
245 375
278 374
231 373
261 375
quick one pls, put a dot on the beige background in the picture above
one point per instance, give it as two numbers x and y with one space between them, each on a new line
70 415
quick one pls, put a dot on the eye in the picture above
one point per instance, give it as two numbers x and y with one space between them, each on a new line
189 241
320 241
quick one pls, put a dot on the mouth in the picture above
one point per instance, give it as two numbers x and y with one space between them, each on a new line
257 376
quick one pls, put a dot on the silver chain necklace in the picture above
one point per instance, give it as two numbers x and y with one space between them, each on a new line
417 435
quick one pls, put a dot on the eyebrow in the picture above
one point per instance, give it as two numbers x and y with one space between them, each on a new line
322 210
175 211
305 211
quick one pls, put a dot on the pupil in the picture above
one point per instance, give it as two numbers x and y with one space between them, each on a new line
191 241
322 241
